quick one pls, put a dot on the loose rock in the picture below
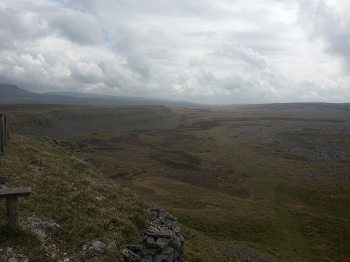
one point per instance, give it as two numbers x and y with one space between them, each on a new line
10 255
37 226
162 240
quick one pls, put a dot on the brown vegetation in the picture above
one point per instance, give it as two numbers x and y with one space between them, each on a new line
239 176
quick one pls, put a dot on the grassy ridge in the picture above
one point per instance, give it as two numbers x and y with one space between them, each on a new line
73 193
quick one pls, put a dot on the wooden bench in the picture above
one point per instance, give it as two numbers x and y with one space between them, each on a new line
12 195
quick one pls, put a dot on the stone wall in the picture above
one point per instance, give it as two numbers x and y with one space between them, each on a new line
162 241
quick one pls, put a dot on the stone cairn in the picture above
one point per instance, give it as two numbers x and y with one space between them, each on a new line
162 241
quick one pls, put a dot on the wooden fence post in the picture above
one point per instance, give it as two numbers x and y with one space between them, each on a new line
5 127
2 133
8 129
5 133
12 211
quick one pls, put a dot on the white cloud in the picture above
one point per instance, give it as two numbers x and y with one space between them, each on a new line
244 54
202 51
78 27
324 22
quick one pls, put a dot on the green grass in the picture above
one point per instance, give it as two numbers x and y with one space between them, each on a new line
25 240
73 193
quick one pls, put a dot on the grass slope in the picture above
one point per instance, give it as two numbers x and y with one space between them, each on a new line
68 189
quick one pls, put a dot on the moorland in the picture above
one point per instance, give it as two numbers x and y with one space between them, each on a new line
273 179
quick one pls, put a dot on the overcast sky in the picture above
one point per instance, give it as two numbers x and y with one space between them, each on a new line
206 51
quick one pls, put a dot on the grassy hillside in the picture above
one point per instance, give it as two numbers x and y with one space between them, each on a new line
68 190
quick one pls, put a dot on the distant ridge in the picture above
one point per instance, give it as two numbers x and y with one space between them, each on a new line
13 91
12 94
101 96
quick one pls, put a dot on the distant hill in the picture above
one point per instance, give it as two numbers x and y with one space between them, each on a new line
124 98
12 91
101 96
12 94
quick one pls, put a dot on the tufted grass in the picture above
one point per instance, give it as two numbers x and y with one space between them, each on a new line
72 192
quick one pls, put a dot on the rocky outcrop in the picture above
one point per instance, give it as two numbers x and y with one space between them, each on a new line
316 154
162 241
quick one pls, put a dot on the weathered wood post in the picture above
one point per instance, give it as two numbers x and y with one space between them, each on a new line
2 133
12 212
7 129
12 195
0 136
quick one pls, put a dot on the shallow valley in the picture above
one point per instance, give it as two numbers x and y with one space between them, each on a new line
264 182
274 180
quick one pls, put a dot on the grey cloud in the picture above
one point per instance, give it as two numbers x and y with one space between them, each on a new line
161 54
205 77
123 39
31 70
214 51
206 34
87 5
269 42
125 42
86 72
195 61
15 26
233 82
78 27
245 54
140 64
34 22
321 21
168 8
115 76
306 84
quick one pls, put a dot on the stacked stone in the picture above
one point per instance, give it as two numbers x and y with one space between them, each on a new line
10 255
162 241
